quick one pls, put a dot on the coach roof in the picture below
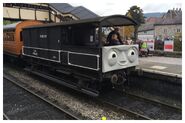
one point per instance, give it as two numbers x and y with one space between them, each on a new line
10 26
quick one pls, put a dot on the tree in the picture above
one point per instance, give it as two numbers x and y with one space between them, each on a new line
136 14
5 22
128 31
178 42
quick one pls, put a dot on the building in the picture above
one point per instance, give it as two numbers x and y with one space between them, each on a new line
170 25
76 13
146 33
146 29
47 12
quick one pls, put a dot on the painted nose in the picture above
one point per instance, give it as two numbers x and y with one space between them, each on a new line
122 59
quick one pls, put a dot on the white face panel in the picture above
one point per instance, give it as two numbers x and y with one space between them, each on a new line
119 57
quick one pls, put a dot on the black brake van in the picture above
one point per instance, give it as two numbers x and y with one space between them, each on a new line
74 53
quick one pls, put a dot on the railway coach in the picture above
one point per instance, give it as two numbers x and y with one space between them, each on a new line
75 50
12 37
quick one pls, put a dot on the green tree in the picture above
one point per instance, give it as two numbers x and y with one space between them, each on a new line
5 22
136 13
178 42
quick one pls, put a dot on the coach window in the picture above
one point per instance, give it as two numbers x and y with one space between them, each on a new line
8 35
4 36
21 36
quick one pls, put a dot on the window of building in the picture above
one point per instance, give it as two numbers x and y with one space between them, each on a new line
178 30
165 30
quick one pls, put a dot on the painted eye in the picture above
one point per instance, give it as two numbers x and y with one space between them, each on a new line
113 55
112 58
132 54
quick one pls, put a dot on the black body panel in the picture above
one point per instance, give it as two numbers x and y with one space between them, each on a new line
83 60
54 41
66 48
42 41
26 38
34 38
82 57
45 43
64 57
42 54
46 38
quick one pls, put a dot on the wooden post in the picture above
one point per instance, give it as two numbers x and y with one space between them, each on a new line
19 13
35 13
135 33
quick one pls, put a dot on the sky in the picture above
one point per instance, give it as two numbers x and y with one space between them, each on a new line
109 7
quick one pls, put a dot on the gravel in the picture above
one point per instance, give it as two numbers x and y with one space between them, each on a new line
87 108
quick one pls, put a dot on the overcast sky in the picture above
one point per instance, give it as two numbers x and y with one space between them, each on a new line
109 7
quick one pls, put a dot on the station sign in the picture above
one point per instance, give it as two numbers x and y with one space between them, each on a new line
168 45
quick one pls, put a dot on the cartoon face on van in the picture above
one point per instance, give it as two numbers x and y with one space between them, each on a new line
119 57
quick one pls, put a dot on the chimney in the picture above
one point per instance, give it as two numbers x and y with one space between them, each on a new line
180 10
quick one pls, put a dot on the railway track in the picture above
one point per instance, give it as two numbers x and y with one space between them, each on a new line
129 105
23 103
140 107
132 114
155 101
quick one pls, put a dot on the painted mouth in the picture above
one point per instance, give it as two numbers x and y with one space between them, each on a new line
122 63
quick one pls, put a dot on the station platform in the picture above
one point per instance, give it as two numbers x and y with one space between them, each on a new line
162 65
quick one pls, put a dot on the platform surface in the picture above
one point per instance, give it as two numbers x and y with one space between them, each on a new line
165 65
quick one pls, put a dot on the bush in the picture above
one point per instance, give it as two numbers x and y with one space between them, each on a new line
159 45
177 43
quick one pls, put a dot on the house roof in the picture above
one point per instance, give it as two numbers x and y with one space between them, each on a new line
80 12
176 20
153 20
171 17
146 27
